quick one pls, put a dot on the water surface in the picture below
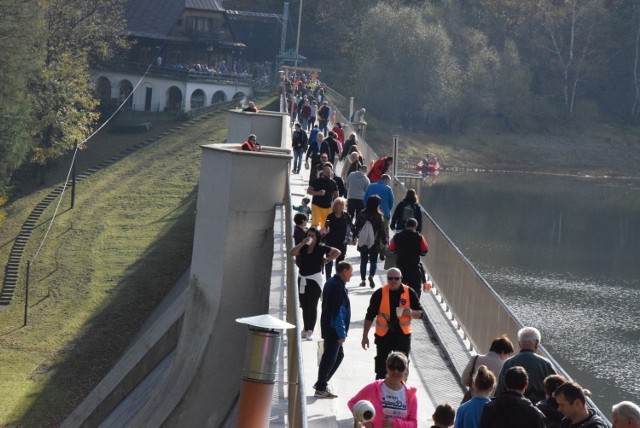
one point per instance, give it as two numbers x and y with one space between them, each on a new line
564 253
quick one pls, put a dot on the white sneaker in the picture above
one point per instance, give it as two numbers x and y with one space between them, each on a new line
303 334
309 335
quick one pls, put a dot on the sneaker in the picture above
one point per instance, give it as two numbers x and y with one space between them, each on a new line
363 283
324 394
309 335
371 284
303 334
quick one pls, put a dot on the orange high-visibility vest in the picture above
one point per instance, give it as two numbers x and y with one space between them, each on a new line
384 312
248 146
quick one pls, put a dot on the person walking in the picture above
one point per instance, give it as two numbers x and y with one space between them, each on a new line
500 349
537 366
468 414
392 307
338 231
324 190
409 246
395 403
406 209
383 190
356 185
572 403
311 256
372 237
299 143
334 327
510 408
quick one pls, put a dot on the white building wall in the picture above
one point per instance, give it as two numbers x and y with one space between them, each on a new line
161 85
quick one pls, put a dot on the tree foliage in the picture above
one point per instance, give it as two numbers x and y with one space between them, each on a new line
525 62
18 44
64 106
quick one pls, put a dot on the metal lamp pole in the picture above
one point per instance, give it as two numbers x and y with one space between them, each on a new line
295 64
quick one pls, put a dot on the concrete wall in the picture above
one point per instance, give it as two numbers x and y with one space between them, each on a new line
160 90
272 128
185 370
230 270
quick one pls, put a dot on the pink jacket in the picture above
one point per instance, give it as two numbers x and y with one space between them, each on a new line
373 393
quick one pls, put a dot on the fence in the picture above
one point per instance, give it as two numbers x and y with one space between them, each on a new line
478 309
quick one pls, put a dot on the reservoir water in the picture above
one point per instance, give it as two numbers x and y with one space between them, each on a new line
564 254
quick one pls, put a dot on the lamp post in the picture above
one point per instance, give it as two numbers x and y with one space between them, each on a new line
295 64
259 369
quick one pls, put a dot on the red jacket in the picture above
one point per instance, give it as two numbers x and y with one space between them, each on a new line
379 168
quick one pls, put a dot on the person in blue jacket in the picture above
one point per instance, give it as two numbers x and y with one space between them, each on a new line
383 190
334 325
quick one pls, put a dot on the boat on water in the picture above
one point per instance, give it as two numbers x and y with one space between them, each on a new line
429 165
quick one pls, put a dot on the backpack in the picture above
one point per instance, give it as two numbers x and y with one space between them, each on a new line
366 237
408 212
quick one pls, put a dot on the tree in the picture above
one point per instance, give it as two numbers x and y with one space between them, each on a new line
64 102
18 44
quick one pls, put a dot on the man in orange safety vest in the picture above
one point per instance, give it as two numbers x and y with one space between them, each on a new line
392 307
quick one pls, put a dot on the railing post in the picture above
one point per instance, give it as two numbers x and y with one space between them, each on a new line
26 294
73 174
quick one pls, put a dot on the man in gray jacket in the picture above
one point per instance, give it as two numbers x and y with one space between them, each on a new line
357 183
537 366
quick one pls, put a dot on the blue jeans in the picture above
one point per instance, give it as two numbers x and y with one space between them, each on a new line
329 363
297 159
368 256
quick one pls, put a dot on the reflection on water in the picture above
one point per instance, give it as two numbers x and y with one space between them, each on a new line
564 253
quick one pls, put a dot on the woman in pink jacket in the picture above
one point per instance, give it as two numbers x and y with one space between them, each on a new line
395 403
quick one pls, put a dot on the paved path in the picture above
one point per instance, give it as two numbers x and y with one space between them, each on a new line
430 370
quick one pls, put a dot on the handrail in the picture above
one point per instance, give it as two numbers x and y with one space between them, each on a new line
476 306
296 388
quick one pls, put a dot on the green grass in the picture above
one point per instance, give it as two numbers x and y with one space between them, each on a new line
103 269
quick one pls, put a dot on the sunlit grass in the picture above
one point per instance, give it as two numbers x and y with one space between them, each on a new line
104 267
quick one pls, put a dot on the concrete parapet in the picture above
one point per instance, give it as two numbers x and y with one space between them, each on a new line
272 128
199 382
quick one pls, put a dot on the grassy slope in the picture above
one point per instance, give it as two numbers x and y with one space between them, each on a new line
104 268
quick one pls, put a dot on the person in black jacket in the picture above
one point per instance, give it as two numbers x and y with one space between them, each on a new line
299 143
572 403
510 409
369 254
409 245
549 406
334 325
406 209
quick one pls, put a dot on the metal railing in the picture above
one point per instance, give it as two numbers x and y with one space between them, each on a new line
478 309
296 389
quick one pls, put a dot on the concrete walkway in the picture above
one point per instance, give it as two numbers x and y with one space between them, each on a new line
435 342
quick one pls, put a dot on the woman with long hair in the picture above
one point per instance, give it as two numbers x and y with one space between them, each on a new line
312 255
406 209
468 414
394 402
369 251
338 227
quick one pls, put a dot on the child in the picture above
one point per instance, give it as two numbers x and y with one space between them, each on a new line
304 208
443 416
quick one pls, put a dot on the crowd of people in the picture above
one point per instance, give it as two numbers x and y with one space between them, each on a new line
357 208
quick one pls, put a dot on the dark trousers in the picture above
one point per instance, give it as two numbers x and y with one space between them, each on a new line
329 363
328 268
354 206
368 256
392 341
309 303
412 276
